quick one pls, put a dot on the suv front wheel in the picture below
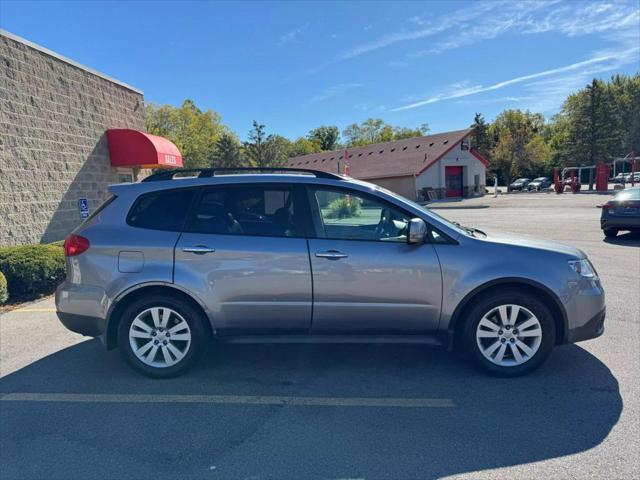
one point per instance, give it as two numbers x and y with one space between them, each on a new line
509 333
160 336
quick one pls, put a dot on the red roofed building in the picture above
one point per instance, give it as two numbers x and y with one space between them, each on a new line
443 162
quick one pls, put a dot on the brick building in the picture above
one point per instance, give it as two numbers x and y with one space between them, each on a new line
442 164
55 161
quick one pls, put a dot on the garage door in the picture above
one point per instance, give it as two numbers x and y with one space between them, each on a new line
453 181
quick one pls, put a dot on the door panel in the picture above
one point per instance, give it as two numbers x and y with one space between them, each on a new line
378 287
366 278
244 254
249 284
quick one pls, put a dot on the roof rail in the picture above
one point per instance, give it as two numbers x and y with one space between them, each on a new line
212 172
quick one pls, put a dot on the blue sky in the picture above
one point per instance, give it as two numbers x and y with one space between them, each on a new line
298 65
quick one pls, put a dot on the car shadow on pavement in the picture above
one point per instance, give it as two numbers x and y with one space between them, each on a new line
567 406
628 239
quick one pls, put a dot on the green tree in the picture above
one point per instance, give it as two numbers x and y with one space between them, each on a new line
194 132
303 146
325 136
264 150
481 138
256 147
556 135
625 92
595 131
375 130
278 150
227 152
518 148
403 132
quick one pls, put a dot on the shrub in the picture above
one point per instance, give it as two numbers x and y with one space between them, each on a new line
32 270
344 208
4 294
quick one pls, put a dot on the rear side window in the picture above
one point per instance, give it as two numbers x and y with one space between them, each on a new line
260 210
166 210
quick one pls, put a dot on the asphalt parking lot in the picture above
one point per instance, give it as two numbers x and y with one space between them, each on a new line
69 409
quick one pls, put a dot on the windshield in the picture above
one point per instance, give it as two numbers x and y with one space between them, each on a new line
540 179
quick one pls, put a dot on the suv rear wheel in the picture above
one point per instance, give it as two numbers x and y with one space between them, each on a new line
509 333
160 336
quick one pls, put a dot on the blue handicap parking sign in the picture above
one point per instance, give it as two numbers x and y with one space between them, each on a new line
83 206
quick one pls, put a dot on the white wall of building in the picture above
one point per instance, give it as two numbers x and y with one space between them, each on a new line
434 176
405 186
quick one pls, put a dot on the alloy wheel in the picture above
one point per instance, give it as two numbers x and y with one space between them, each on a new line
159 337
509 335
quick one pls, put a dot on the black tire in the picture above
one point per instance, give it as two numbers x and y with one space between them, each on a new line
190 315
610 232
484 305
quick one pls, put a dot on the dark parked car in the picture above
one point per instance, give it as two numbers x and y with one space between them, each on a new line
520 184
622 212
539 183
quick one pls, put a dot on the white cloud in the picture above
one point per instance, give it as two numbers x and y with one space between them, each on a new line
607 62
291 35
418 20
333 91
567 18
544 91
438 26
397 64
491 101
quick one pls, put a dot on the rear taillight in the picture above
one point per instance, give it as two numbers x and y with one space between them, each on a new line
608 206
75 245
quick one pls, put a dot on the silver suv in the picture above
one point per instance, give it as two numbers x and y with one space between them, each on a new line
170 263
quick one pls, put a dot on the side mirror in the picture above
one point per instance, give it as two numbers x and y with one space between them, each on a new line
416 232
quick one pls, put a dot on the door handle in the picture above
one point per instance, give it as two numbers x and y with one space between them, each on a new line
331 255
199 249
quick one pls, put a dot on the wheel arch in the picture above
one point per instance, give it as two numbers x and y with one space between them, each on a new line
543 292
125 298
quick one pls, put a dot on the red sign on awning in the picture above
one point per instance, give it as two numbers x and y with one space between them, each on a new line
132 148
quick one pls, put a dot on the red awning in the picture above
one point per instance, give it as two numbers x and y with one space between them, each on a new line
131 148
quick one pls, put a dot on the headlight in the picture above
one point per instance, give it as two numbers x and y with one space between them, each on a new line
583 268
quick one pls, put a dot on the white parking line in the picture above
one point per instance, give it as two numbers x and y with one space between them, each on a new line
230 399
32 310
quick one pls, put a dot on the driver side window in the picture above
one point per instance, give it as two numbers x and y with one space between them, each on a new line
350 215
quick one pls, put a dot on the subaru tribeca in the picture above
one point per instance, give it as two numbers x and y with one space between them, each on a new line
168 264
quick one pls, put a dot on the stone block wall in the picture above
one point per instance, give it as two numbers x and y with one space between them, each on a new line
53 147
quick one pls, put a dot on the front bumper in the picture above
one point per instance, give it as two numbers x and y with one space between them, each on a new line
585 310
591 329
